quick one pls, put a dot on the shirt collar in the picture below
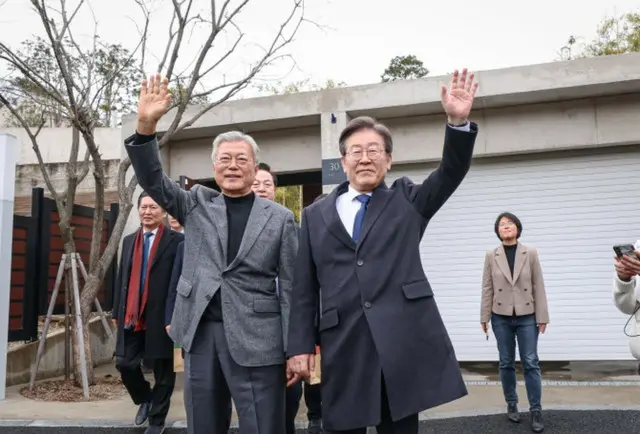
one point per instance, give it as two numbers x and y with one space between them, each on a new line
154 232
352 193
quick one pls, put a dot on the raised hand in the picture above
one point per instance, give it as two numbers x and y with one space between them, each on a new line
457 99
153 104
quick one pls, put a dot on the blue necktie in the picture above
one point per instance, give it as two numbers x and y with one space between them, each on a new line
145 258
359 221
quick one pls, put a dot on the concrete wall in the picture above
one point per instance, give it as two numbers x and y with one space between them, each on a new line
531 84
534 128
29 176
295 148
55 147
20 359
55 144
531 128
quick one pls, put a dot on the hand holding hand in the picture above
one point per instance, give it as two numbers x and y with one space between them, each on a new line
153 104
292 377
302 365
458 98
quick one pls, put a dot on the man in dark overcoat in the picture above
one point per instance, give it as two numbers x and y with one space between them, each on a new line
139 301
386 354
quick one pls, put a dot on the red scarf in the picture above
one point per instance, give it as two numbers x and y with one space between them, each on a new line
135 306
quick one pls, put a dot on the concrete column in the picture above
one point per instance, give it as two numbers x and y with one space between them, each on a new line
332 124
8 153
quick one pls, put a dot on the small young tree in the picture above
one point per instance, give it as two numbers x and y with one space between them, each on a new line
55 80
404 68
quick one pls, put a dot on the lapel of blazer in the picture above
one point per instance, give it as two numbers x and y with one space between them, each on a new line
377 204
501 260
258 218
219 213
521 258
164 241
332 219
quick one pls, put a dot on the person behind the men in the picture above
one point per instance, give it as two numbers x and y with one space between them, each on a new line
386 354
227 316
626 295
514 300
175 274
138 311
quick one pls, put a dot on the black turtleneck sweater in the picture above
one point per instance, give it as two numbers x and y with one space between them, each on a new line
510 251
238 210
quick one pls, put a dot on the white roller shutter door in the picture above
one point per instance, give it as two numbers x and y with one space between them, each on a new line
573 208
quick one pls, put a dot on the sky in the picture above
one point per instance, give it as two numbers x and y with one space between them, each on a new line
348 40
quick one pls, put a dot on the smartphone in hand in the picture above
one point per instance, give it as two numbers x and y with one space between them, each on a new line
625 249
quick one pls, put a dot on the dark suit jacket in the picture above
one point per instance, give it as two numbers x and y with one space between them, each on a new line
379 316
157 343
173 285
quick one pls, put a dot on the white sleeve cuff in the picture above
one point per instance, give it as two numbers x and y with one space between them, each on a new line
466 127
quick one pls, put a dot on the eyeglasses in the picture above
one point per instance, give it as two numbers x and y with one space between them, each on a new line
506 224
226 160
372 153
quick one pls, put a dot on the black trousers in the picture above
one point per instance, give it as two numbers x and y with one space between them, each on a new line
408 425
313 399
292 405
138 387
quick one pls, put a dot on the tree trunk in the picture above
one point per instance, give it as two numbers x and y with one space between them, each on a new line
77 361
66 231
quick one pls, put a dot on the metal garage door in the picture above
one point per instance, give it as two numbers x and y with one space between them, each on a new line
573 209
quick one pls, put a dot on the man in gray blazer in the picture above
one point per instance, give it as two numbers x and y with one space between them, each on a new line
227 316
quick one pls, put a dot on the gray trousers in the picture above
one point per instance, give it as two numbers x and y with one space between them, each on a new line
212 378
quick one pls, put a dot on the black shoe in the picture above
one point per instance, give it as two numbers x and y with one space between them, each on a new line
315 426
512 413
536 421
143 413
154 429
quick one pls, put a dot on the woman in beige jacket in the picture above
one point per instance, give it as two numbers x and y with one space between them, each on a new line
515 302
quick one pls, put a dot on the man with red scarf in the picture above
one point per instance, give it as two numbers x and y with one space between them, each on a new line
138 311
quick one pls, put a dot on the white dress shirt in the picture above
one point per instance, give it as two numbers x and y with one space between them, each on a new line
347 205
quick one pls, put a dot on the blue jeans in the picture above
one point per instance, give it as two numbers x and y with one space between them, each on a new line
523 328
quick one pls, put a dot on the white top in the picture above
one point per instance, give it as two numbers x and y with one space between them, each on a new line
348 206
626 300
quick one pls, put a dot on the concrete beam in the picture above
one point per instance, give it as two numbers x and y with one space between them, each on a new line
549 82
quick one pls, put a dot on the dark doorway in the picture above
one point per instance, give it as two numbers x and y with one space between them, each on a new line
311 183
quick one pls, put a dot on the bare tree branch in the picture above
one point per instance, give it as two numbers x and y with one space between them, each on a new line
144 33
279 42
9 56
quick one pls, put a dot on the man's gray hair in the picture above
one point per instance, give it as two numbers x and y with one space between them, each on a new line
235 136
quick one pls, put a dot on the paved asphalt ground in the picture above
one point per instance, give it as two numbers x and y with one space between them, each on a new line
556 421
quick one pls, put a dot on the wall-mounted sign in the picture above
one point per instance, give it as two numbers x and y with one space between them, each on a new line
332 172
